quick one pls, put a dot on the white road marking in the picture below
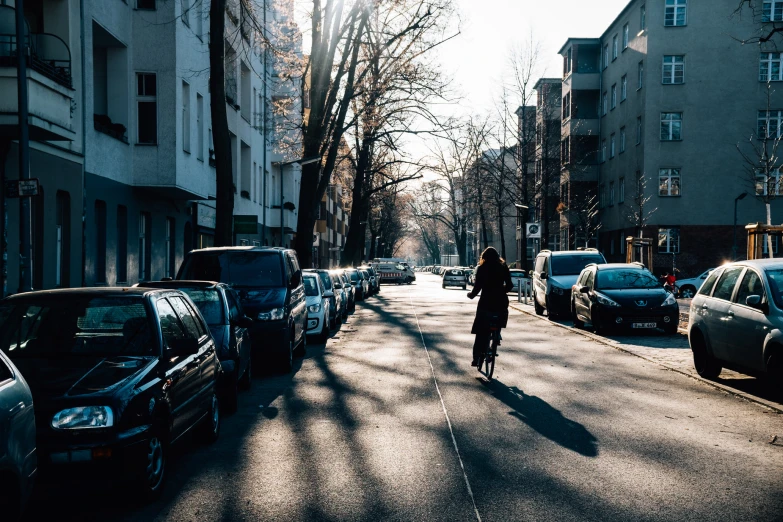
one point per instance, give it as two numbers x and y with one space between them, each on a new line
445 412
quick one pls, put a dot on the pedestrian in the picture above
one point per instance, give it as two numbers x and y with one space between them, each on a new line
493 281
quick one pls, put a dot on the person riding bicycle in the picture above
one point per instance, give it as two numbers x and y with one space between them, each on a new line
493 280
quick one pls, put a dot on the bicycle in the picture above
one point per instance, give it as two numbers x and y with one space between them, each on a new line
487 359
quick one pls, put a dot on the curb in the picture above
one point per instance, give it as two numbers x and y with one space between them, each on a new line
597 338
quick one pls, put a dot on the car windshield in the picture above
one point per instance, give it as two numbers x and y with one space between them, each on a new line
455 272
254 269
311 285
76 326
354 275
573 264
208 302
775 279
623 279
325 280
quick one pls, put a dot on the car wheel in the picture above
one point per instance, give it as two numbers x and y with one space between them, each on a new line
687 292
443 286
538 308
706 365
464 287
324 334
549 311
598 325
670 328
247 378
152 470
210 427
774 377
578 323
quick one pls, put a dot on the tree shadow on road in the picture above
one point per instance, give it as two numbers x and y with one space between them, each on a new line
545 419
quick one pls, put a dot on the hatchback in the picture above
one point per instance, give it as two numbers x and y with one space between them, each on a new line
454 277
736 320
317 307
334 295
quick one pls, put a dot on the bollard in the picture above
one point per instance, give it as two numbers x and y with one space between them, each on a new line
519 292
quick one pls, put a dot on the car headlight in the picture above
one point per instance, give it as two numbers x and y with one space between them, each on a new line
557 290
83 417
670 300
602 299
314 309
275 314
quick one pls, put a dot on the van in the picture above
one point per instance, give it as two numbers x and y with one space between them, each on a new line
553 276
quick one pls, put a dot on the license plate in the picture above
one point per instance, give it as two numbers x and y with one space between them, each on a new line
644 325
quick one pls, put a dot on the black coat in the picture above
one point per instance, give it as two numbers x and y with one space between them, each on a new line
494 283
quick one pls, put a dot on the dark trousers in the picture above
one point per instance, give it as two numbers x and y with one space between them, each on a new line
480 344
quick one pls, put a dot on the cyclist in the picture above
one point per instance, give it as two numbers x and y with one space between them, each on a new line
493 280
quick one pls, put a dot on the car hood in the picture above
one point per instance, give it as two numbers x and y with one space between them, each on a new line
633 297
67 376
564 281
261 299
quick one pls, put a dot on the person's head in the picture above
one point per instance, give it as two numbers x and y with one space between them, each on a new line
491 256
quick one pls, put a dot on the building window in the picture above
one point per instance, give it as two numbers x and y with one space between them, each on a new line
614 96
673 70
611 194
639 130
602 196
770 124
122 244
171 256
199 16
567 64
621 192
147 108
770 67
606 56
622 140
199 127
612 142
675 13
668 240
603 150
625 37
640 74
624 88
62 254
145 4
145 246
604 103
643 17
772 11
669 182
567 106
671 126
614 47
186 116
768 185
100 241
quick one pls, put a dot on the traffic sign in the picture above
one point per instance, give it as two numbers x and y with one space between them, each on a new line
21 188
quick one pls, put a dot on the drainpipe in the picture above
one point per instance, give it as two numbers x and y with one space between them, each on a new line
263 126
84 147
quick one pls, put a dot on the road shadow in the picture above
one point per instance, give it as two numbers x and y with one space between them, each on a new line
545 419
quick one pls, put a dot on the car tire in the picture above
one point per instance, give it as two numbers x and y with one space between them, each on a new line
549 311
464 287
598 325
774 377
443 286
210 426
324 335
537 307
578 323
670 328
703 361
687 292
247 378
152 469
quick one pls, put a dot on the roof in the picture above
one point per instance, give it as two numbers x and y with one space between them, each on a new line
240 249
86 292
566 252
180 283
760 263
615 266
547 80
578 40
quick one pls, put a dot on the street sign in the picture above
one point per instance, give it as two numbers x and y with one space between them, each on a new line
245 224
21 188
533 230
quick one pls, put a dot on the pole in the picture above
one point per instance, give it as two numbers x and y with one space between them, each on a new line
734 244
282 198
25 253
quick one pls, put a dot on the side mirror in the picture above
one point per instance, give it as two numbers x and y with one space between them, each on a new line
584 289
328 293
183 347
544 276
296 280
753 300
243 322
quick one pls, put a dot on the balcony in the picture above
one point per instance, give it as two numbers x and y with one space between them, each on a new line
49 85
273 219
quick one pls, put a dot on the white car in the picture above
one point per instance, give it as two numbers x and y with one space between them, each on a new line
519 277
317 307
689 287
454 277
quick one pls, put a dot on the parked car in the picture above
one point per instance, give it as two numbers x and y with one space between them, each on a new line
230 328
317 307
454 277
269 284
358 282
18 459
689 287
368 278
375 281
349 292
736 321
554 275
622 296
391 273
117 375
341 292
520 278
334 296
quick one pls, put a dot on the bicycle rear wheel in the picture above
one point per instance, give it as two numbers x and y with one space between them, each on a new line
489 369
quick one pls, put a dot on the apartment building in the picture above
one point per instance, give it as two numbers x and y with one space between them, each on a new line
664 97
331 228
525 185
547 162
121 123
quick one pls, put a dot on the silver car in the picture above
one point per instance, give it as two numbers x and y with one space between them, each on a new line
454 277
736 320
18 460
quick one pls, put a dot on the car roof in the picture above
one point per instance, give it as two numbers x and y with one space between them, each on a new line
239 249
181 283
765 264
90 292
575 252
615 266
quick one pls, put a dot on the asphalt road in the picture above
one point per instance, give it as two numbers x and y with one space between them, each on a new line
388 421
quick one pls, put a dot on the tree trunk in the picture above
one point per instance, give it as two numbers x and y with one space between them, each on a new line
769 236
373 238
224 202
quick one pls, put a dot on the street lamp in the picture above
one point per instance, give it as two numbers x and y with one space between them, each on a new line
734 247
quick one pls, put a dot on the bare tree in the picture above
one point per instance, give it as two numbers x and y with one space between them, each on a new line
639 211
584 214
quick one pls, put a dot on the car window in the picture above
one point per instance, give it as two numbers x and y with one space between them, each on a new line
234 308
189 321
751 285
325 280
573 264
582 278
589 279
236 268
170 326
208 302
726 283
311 285
5 371
709 284
775 281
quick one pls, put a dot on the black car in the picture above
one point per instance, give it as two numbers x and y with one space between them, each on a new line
622 296
117 375
358 282
221 309
269 284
